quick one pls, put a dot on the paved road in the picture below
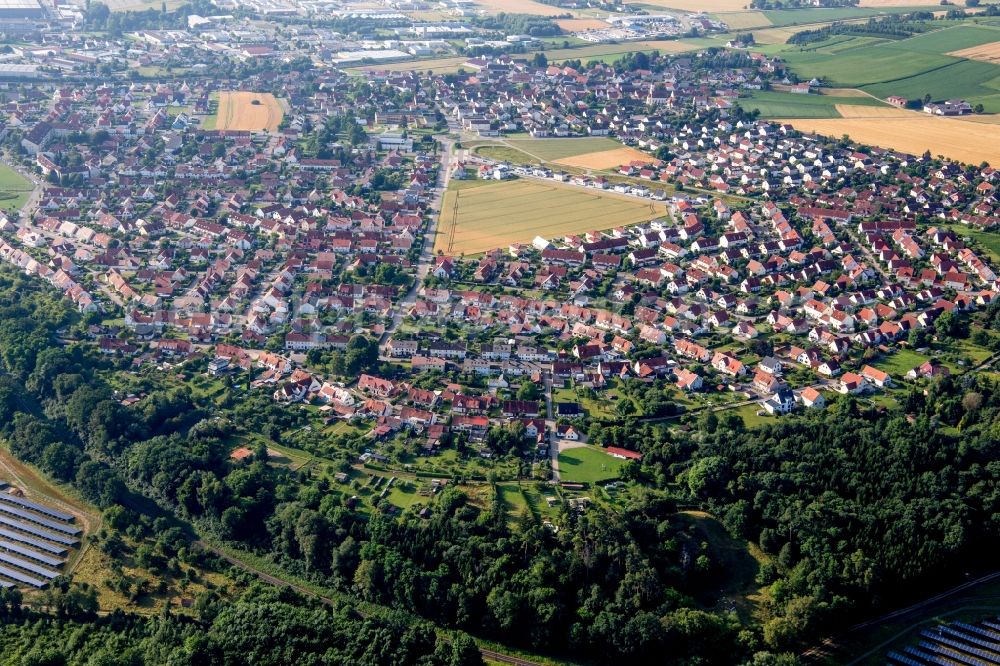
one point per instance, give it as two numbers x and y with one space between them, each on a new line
550 425
426 259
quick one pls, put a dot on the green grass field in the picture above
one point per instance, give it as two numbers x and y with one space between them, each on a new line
497 214
900 362
988 241
550 150
588 465
911 67
773 104
14 189
506 154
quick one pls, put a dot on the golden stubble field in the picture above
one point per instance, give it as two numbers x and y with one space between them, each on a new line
237 111
520 7
984 53
494 215
581 24
700 5
605 159
972 139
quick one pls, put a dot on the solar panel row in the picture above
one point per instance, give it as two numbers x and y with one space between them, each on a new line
21 563
38 520
30 554
35 506
896 658
949 654
970 637
928 658
37 531
20 577
34 543
959 646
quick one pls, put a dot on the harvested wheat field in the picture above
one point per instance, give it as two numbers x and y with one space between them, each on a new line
883 112
520 7
744 20
494 215
778 35
581 24
910 132
605 159
700 5
984 53
248 111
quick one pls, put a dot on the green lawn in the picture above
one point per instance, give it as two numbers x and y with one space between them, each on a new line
14 189
900 362
989 241
749 415
588 465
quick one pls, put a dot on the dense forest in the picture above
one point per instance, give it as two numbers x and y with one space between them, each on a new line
852 507
263 626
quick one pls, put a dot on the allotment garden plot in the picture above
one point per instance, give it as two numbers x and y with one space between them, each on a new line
497 214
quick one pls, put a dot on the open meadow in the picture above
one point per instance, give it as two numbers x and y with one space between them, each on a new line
910 131
496 214
247 111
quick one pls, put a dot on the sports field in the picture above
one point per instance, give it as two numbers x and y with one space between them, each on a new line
588 465
248 111
14 189
911 131
605 159
494 215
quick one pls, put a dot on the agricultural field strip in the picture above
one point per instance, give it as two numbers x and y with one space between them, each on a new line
237 112
522 208
551 150
605 159
984 53
911 132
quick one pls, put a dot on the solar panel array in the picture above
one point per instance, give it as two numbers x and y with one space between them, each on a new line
35 540
35 506
958 644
